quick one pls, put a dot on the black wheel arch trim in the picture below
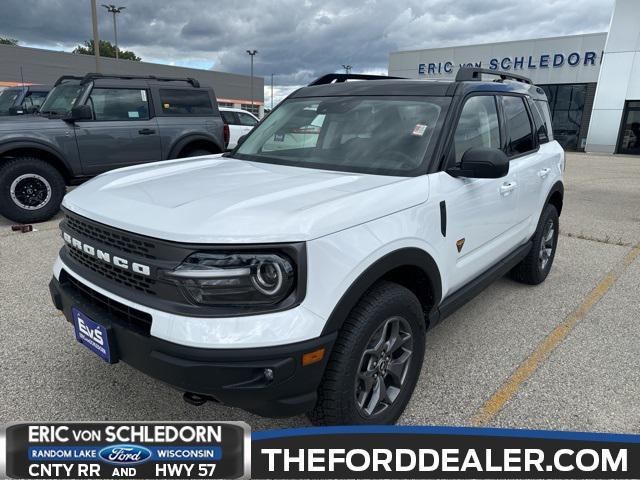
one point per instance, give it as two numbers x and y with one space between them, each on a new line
404 257
185 140
37 145
557 187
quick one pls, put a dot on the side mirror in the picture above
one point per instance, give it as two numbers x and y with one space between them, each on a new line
80 112
482 162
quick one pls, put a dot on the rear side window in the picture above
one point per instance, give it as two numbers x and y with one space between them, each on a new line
540 126
228 117
246 119
185 102
113 104
478 126
543 108
520 138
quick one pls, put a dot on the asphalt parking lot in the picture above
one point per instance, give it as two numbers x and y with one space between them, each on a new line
562 355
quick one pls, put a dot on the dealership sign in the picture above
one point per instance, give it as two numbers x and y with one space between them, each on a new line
530 62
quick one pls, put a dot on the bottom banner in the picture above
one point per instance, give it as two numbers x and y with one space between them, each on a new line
442 452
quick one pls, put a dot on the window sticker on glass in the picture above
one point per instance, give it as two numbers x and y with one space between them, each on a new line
278 137
134 114
166 105
419 130
143 95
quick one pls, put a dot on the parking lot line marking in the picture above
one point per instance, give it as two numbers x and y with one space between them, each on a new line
526 369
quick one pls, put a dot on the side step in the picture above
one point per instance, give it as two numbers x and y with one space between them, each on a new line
461 296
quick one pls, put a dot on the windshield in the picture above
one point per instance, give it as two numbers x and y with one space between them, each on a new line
7 99
61 99
378 135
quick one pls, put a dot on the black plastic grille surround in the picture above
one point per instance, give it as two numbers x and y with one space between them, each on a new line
131 318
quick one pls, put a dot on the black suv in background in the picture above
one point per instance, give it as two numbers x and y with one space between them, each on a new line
21 100
89 125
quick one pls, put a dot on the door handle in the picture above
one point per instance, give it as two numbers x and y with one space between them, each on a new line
544 172
507 187
146 131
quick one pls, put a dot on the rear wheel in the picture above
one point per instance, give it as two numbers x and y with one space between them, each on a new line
31 190
376 361
535 267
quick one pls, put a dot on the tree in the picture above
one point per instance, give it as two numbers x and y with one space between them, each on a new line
8 41
106 50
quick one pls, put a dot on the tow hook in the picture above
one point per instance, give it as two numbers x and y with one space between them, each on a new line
197 399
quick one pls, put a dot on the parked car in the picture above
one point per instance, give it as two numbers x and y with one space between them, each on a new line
89 125
22 100
304 279
240 123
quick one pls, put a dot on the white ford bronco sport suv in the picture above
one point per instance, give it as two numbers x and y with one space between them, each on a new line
299 272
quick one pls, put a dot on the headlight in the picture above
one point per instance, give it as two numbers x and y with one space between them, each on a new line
235 279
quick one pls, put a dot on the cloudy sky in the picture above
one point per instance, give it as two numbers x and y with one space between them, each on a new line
297 40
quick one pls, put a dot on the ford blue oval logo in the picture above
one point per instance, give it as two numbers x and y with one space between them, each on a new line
125 454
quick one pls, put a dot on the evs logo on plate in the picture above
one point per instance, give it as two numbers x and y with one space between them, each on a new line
125 454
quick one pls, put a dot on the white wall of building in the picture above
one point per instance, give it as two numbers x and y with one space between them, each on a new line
619 78
571 59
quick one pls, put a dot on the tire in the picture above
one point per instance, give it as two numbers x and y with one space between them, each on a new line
342 395
535 267
31 190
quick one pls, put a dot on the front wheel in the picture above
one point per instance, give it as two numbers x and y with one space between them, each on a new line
535 267
31 190
376 361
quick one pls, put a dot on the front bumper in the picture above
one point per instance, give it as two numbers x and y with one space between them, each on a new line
235 377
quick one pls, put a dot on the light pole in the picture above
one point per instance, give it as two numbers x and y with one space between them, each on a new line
347 69
96 40
272 91
114 10
252 53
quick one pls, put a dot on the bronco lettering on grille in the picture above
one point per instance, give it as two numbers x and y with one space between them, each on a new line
106 256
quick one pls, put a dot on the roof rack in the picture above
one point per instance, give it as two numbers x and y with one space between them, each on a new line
64 78
469 74
343 77
89 77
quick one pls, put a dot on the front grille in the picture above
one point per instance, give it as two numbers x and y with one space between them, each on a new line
115 239
131 318
115 274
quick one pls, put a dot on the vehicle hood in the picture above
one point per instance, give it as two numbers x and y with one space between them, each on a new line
216 199
20 123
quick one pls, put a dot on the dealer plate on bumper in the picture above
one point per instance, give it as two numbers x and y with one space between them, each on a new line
92 335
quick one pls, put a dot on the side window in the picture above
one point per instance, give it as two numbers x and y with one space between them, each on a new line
185 102
228 117
478 126
34 99
541 127
119 104
247 120
543 108
518 125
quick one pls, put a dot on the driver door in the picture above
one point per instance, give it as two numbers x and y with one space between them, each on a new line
121 133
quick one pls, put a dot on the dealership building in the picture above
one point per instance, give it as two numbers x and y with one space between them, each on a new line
44 67
592 80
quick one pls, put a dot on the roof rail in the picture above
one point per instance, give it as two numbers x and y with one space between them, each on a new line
469 74
343 77
94 76
65 78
